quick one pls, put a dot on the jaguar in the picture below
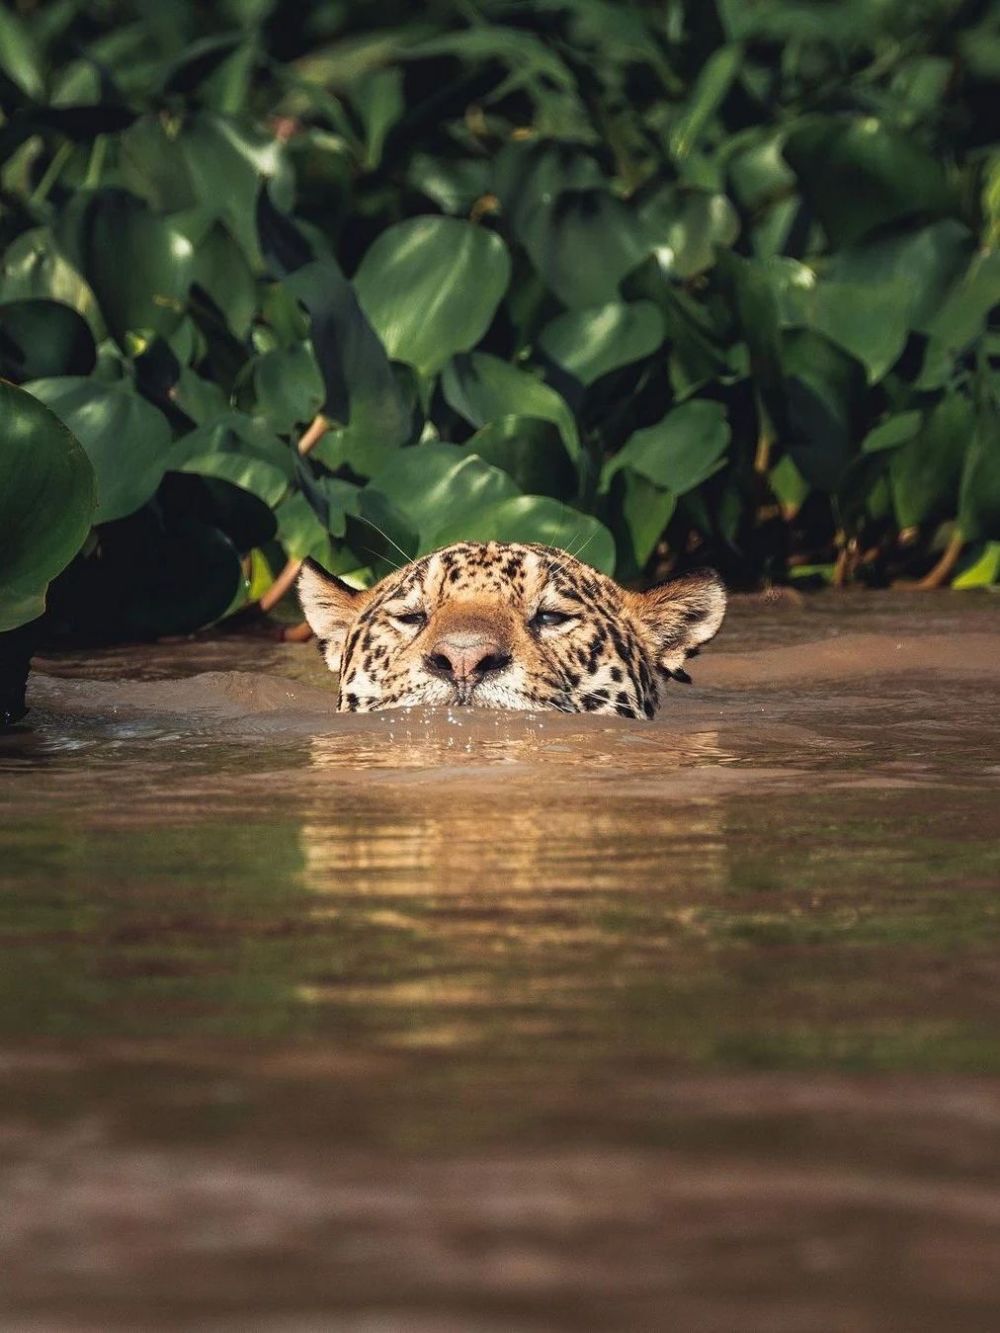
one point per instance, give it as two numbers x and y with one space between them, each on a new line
507 625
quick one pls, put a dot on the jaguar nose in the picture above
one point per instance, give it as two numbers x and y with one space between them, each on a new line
464 659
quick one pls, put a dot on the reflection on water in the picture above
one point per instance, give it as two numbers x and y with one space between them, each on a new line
427 1022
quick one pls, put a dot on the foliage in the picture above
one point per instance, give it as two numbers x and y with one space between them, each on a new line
703 280
47 499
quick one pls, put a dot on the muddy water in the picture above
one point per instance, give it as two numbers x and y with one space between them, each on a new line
479 1022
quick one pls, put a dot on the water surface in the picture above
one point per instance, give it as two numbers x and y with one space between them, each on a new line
474 1021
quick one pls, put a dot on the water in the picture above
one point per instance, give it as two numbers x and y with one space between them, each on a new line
487 1022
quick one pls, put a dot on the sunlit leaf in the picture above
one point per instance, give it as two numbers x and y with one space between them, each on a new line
439 486
982 571
679 452
482 388
685 227
139 266
20 58
591 343
534 518
249 474
430 287
125 438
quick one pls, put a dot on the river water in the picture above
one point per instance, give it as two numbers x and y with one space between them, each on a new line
447 1022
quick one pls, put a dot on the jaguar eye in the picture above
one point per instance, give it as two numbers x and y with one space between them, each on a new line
547 619
411 618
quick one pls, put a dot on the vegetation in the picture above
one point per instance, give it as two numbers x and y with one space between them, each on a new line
661 282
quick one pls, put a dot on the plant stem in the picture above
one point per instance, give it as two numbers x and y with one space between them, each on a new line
51 173
281 585
941 572
315 432
95 167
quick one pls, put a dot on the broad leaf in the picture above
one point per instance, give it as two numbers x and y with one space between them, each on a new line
679 452
139 266
40 338
925 471
430 287
531 451
482 388
590 343
856 175
534 518
126 439
47 502
440 486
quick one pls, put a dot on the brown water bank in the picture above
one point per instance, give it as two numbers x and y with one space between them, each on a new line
422 1021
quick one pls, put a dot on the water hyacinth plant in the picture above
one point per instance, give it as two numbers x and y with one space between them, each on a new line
701 280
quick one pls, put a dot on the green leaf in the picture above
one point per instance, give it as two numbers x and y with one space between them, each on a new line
925 471
752 291
138 266
237 434
856 175
378 99
679 452
40 338
713 83
379 533
982 570
34 268
430 288
868 296
685 227
439 486
535 518
453 185
300 531
699 351
249 474
979 498
19 55
822 404
892 432
482 388
223 271
961 318
590 343
531 451
582 244
581 239
789 485
288 387
361 391
126 438
47 501
643 511
210 162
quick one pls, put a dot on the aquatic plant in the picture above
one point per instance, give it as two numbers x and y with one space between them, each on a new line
698 280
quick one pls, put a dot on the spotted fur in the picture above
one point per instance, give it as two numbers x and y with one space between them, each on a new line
498 625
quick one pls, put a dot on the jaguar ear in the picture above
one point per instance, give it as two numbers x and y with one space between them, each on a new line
681 615
330 606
